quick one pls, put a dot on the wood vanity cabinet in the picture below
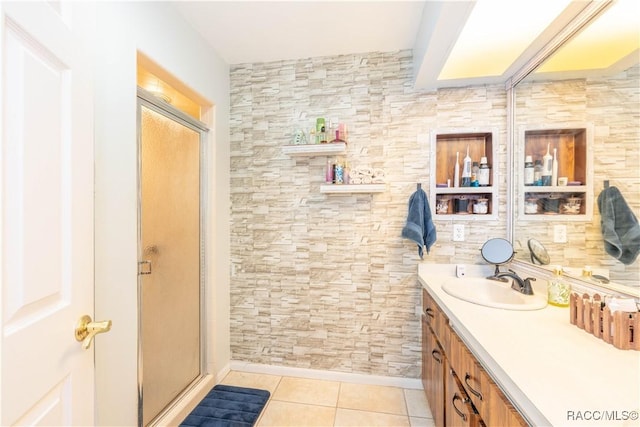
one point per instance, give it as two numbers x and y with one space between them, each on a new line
458 389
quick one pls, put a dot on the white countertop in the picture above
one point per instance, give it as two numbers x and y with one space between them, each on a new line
553 372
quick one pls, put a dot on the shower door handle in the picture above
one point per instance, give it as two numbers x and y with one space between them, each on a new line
144 267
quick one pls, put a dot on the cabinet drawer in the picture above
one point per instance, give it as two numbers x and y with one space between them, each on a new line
458 408
436 319
487 398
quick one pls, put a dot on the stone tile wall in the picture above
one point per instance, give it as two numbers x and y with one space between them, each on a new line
325 281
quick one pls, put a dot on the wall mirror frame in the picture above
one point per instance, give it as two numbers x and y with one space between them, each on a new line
519 231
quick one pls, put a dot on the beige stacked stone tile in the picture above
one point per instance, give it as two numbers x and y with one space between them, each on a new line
325 281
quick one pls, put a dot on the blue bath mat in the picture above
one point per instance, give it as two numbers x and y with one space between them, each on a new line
227 406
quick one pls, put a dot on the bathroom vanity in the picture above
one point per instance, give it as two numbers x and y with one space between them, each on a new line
493 366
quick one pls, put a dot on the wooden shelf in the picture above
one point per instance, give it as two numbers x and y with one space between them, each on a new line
561 189
310 150
445 143
352 188
463 190
573 145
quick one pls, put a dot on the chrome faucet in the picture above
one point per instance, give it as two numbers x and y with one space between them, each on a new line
518 283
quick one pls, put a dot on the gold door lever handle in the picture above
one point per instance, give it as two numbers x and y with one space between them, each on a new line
87 330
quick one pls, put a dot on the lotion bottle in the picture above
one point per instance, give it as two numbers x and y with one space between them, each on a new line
558 291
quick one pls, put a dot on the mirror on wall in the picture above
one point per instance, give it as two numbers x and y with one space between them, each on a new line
580 111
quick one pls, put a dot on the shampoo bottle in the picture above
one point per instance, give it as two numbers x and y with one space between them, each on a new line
558 291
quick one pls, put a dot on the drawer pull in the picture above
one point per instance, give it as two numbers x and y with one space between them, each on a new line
476 393
455 408
429 312
435 353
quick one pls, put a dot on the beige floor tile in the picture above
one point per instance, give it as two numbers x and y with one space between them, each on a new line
303 390
417 404
373 398
284 414
251 380
421 422
351 417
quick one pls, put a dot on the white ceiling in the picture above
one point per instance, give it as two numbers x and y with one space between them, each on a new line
264 31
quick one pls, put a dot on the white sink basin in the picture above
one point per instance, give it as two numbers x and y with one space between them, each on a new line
492 293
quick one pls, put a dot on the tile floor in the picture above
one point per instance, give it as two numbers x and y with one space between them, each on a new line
310 402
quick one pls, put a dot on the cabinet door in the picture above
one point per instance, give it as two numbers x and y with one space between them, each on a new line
436 320
433 371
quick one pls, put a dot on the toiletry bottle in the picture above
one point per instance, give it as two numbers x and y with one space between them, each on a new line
474 174
528 171
558 290
328 178
466 170
537 173
456 171
484 173
347 169
329 131
321 133
547 167
554 168
339 172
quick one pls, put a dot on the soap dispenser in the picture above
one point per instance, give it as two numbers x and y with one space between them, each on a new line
558 290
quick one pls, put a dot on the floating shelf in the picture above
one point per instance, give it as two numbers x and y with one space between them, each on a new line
315 149
352 188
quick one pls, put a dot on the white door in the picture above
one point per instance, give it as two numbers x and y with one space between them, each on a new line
46 212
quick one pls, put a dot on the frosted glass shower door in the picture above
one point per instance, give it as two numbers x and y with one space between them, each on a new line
169 259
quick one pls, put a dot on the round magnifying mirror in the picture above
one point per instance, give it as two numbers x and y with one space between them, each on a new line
497 251
538 252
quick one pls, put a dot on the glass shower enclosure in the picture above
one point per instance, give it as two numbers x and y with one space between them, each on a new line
170 267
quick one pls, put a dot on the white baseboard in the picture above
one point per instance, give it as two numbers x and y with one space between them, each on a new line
410 383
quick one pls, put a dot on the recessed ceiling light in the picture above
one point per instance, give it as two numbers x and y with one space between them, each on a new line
613 36
496 34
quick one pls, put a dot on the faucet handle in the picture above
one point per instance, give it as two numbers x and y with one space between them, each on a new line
527 288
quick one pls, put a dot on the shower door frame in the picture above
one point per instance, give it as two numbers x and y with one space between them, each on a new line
148 100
